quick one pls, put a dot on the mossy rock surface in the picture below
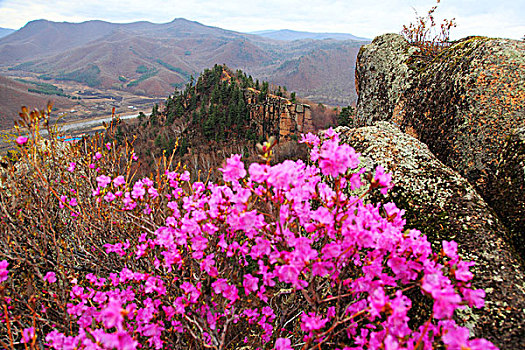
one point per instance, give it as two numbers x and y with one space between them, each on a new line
382 76
463 103
444 206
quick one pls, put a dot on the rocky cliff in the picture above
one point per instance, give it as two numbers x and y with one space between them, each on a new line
278 116
465 104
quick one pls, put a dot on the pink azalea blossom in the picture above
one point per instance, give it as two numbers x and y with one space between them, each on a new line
450 249
462 272
310 139
119 181
71 167
3 270
138 191
250 284
28 334
111 315
283 344
21 140
234 169
103 181
63 200
456 338
312 322
109 197
120 340
383 179
50 277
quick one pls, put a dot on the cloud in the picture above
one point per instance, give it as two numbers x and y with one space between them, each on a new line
370 18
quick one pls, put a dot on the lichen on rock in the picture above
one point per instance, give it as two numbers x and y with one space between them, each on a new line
463 104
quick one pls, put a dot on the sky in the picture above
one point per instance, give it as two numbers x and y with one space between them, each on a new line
365 18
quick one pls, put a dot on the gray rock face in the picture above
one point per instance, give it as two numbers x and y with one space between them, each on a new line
444 206
462 103
382 76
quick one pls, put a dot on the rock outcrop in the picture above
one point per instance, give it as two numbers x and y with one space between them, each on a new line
444 206
278 116
462 103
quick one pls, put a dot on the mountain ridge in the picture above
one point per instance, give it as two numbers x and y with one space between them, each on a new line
290 35
5 32
110 54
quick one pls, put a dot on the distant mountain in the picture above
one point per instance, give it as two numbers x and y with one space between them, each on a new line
290 35
152 59
5 32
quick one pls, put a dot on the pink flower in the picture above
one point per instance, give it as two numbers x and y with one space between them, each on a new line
283 344
63 199
138 190
103 181
462 272
258 172
335 159
310 139
71 167
119 181
250 284
221 286
3 270
111 315
456 338
73 202
331 250
28 334
474 297
355 181
445 302
312 322
109 197
97 156
147 182
450 249
119 340
193 292
234 169
383 179
481 344
50 277
21 140
321 268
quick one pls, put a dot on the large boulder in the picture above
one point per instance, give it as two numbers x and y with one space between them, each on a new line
444 206
463 104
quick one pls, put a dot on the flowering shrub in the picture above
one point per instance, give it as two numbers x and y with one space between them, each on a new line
284 256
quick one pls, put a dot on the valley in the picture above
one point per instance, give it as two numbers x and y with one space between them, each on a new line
91 67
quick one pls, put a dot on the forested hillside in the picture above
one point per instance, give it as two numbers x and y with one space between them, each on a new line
220 113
